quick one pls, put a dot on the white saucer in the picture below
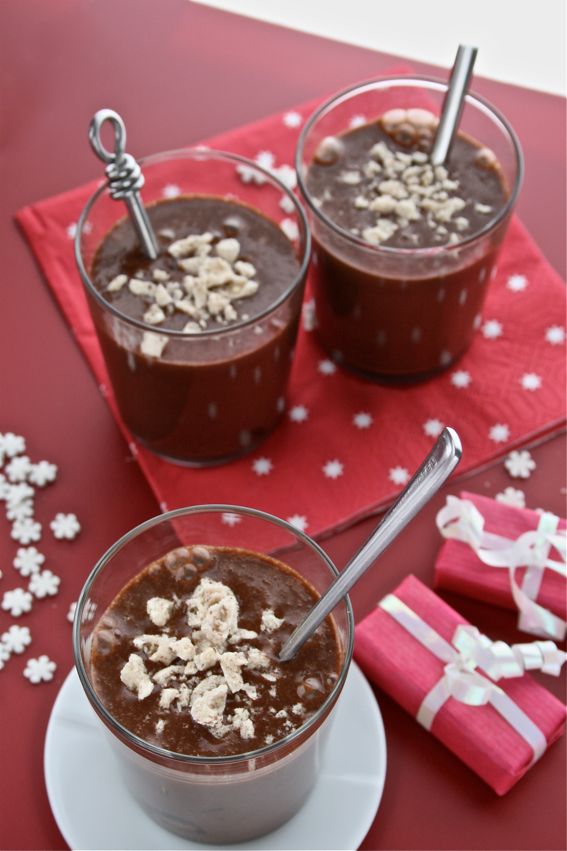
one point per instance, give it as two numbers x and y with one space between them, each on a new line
94 810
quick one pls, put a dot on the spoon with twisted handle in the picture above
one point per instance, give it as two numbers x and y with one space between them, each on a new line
434 471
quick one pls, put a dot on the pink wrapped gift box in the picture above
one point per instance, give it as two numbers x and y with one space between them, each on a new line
408 671
459 569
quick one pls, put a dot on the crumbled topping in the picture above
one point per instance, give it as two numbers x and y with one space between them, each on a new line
198 672
242 722
206 659
163 677
403 186
215 278
208 701
159 611
214 608
152 345
269 621
135 677
117 283
257 658
183 648
156 647
231 665
160 726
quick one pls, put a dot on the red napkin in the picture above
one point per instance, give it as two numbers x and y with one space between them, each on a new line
407 671
458 568
347 445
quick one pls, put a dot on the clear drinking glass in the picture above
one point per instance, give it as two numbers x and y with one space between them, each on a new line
393 312
208 397
220 799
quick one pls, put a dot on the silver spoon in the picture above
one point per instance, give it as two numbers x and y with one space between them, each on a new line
461 74
434 471
125 178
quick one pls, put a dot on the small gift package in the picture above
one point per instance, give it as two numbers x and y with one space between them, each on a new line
510 557
472 693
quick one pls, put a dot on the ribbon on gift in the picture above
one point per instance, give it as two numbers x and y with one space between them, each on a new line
462 681
460 520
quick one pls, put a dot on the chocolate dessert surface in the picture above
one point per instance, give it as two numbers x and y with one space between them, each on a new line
214 390
185 657
376 181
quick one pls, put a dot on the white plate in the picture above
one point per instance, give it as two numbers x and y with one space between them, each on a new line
94 810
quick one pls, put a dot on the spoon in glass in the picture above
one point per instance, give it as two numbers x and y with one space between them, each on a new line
434 471
461 74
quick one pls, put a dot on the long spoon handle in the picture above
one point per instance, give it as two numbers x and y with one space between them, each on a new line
453 104
434 471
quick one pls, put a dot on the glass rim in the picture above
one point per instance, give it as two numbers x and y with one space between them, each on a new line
196 153
421 82
163 753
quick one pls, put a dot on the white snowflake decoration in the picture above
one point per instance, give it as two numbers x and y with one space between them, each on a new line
499 433
433 427
171 190
287 175
25 531
265 159
18 468
326 367
298 521
289 227
530 381
362 420
461 379
333 469
42 473
308 315
299 414
555 335
20 510
287 204
262 466
513 497
28 560
17 638
520 465
40 670
44 584
19 493
229 518
492 329
399 475
71 612
357 121
250 175
65 526
17 602
12 444
5 654
517 283
292 119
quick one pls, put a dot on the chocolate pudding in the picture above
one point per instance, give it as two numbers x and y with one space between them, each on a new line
185 657
226 280
399 280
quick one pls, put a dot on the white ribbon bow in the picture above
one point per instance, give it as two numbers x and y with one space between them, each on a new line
461 679
459 519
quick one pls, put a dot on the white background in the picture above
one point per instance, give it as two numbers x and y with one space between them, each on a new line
520 41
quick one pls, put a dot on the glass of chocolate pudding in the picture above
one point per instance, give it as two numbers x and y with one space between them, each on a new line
403 251
176 640
198 343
